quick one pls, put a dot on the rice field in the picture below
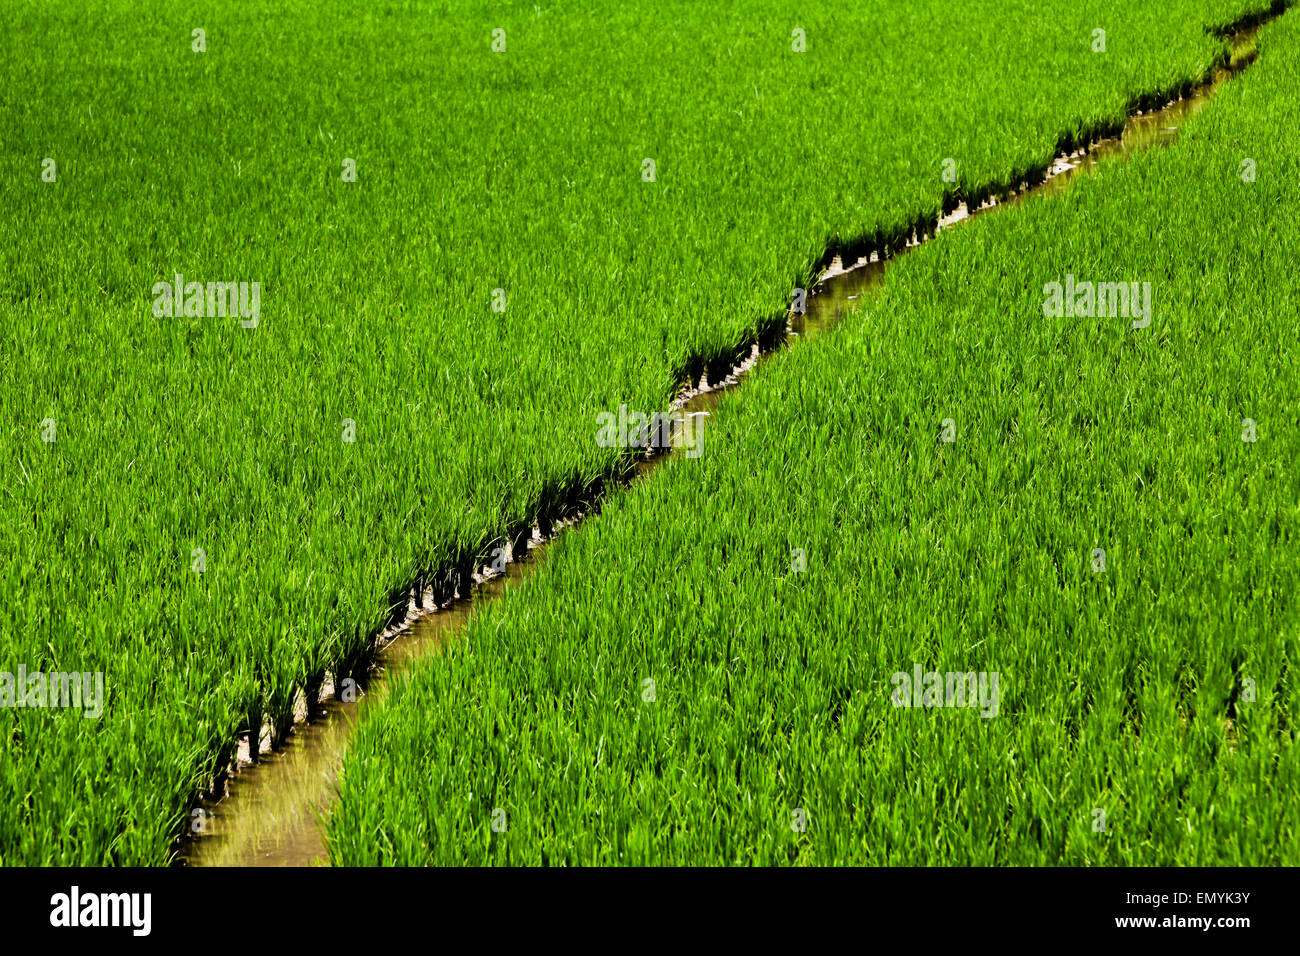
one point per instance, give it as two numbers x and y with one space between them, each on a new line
305 305
1096 516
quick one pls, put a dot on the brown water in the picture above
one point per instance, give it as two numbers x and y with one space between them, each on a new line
271 812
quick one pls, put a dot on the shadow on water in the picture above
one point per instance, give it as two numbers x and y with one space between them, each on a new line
272 809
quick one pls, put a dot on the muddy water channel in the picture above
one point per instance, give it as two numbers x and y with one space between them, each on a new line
271 810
